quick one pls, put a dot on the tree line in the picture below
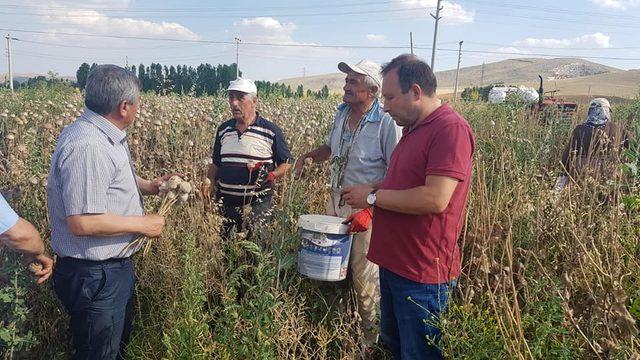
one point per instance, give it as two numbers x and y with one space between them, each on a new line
205 79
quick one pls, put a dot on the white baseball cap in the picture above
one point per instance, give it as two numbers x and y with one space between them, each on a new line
364 67
600 101
243 85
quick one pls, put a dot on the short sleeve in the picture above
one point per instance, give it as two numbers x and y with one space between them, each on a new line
450 153
215 156
334 129
85 176
280 148
391 137
8 217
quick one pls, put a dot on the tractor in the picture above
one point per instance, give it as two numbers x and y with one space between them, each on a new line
550 109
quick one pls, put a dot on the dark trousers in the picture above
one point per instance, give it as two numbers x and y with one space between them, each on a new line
259 215
98 296
409 314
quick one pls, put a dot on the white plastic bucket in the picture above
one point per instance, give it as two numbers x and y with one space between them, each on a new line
325 246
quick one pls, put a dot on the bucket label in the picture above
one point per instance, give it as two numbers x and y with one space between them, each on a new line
329 262
316 238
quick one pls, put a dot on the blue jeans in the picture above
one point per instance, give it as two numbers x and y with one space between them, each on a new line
409 316
261 211
98 296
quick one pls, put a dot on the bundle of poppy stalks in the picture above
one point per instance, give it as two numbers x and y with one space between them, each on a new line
175 190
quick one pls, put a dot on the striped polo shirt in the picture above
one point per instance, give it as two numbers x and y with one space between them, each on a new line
234 152
91 173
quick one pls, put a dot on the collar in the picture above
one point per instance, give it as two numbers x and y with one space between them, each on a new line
114 134
434 115
374 114
257 122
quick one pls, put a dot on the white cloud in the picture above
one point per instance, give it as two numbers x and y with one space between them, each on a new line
511 50
451 13
265 29
103 3
376 37
270 30
617 4
94 22
596 40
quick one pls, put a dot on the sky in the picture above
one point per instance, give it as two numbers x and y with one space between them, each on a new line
282 39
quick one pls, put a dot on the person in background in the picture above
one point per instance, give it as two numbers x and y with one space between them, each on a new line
595 146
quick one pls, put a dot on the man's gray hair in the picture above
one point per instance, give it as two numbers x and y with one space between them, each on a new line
368 80
109 85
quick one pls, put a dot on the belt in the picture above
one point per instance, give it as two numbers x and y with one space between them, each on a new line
71 260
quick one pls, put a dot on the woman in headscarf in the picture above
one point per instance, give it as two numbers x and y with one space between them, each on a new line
595 144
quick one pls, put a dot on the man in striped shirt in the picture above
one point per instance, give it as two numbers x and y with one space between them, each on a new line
249 154
96 211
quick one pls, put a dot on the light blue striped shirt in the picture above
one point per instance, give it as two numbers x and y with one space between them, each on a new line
8 217
371 151
91 173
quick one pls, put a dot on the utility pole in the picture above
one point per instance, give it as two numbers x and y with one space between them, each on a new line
9 38
126 62
455 88
411 41
482 75
435 34
237 59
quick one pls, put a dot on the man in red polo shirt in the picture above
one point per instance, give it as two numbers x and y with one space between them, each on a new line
418 209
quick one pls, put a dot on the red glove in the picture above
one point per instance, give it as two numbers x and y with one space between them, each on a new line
271 177
360 221
254 166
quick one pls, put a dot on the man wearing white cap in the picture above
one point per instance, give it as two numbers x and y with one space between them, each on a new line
594 144
249 154
359 149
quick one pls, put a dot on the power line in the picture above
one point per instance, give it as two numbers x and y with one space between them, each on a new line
202 9
342 13
299 45
554 48
128 48
546 55
547 10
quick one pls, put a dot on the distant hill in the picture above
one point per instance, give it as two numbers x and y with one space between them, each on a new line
23 77
625 84
570 76
334 81
521 71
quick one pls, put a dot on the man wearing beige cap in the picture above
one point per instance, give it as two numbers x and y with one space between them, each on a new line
249 154
595 146
359 149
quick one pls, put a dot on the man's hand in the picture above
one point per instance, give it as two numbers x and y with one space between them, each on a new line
41 266
360 221
271 177
298 167
356 195
154 185
152 225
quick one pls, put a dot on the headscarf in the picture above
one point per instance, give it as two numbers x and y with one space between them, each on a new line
599 112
